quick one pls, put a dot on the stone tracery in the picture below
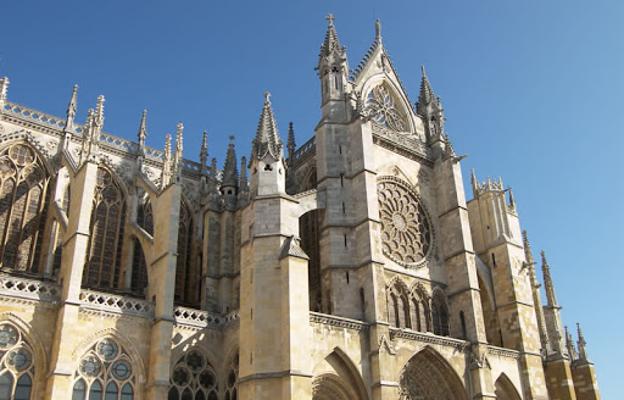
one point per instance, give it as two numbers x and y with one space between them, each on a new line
380 106
17 368
405 229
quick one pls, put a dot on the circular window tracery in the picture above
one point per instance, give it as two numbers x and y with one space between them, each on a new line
405 230
193 378
105 369
380 106
17 369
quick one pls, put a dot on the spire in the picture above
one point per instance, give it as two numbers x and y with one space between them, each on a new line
4 91
548 283
537 300
72 107
142 132
267 141
331 45
582 352
426 94
177 158
570 345
474 182
165 178
230 172
292 146
203 153
99 114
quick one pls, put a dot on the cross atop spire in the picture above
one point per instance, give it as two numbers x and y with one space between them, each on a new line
267 141
331 45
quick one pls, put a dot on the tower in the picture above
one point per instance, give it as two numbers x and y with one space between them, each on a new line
274 324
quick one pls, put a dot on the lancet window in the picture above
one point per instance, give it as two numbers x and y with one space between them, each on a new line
193 378
23 204
439 311
17 368
411 310
106 233
105 372
231 382
186 276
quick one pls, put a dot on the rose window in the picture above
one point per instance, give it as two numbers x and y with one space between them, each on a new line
380 106
17 368
405 230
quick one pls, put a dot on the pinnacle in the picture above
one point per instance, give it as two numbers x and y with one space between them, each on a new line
267 140
331 43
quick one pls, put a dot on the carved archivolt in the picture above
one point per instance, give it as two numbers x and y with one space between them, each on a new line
405 229
330 387
427 376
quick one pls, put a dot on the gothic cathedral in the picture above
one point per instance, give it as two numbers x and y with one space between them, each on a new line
350 268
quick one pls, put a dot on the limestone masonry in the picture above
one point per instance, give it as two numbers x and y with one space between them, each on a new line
351 267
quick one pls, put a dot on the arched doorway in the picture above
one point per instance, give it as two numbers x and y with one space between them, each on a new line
330 387
427 376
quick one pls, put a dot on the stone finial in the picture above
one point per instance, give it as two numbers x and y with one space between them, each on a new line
203 153
178 156
582 351
426 94
292 145
99 113
570 345
165 178
90 137
528 253
213 168
512 200
378 30
230 171
72 107
4 90
474 183
142 132
243 184
551 298
267 141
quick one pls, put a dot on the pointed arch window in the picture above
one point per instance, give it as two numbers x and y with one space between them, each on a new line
139 280
17 367
23 205
399 306
187 278
193 378
231 383
106 233
439 311
105 372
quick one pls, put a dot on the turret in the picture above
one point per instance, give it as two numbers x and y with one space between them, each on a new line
429 107
333 71
267 161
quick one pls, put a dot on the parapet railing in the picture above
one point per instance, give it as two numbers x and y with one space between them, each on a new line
200 319
29 289
116 304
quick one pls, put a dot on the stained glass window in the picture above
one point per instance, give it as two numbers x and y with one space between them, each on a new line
17 367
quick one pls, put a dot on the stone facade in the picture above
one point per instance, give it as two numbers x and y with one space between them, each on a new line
352 267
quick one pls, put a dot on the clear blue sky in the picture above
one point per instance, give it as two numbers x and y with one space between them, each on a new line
533 92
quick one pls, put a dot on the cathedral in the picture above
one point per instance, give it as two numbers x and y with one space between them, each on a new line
352 267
